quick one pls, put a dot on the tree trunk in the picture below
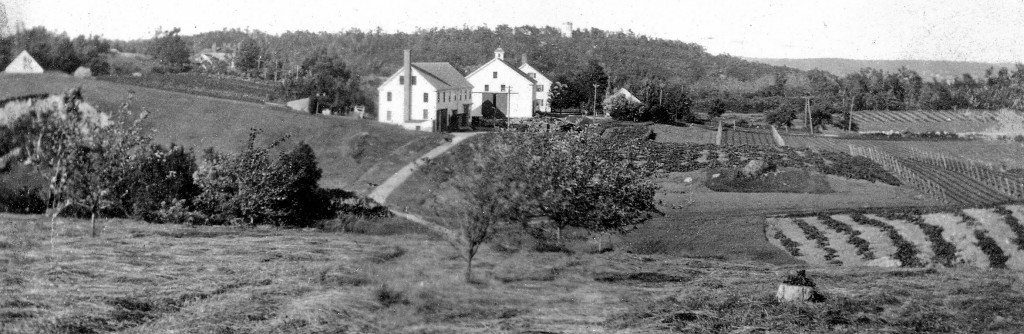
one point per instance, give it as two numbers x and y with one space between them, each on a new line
93 220
469 267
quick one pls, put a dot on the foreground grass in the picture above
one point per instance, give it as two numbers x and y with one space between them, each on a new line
145 278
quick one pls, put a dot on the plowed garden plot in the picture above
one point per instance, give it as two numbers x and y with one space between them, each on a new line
1001 233
927 120
961 185
743 137
972 237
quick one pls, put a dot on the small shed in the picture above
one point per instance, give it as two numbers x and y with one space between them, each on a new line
624 93
299 105
24 63
83 72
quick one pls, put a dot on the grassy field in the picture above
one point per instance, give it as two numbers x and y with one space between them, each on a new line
144 278
352 153
228 87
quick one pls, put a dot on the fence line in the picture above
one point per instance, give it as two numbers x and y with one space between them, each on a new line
981 171
906 175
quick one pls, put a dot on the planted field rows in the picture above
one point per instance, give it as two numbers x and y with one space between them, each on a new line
753 138
928 120
946 178
984 238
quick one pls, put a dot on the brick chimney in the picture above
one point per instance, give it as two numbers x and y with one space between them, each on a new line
407 97
524 59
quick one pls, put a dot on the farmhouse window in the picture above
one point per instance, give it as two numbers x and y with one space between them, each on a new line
389 115
503 88
425 114
401 80
413 80
495 74
389 96
426 97
487 88
540 88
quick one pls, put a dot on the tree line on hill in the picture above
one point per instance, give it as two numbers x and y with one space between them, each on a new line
338 70
56 51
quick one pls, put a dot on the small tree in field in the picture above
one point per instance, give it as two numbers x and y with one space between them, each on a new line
581 179
83 159
493 195
576 179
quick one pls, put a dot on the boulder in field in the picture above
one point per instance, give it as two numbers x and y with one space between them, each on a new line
754 168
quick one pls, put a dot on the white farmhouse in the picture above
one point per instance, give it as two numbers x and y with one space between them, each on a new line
504 86
425 97
542 87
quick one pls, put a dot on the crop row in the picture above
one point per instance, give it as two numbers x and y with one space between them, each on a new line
953 238
735 137
814 234
924 116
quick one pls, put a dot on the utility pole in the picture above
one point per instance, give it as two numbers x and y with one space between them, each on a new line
849 118
593 107
661 97
807 107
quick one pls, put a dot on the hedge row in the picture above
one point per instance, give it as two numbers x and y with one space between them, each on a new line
996 258
905 250
813 233
945 251
792 246
863 247
1014 224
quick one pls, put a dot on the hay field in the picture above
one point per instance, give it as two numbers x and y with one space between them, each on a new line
351 152
146 278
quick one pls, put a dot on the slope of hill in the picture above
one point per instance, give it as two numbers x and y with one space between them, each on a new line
352 153
940 69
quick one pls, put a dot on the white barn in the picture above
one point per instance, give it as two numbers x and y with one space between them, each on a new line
510 90
425 97
542 87
24 63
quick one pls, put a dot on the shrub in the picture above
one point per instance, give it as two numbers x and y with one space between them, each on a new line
22 200
159 177
251 188
624 109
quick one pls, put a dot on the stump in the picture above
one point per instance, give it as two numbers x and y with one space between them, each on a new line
796 287
794 293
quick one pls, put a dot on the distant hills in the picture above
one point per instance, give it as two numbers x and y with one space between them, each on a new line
940 69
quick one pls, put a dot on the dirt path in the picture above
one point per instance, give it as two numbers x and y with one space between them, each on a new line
381 192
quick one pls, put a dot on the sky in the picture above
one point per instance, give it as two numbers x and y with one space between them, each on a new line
972 30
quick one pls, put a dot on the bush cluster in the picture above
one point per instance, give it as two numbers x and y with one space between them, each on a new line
252 188
21 200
